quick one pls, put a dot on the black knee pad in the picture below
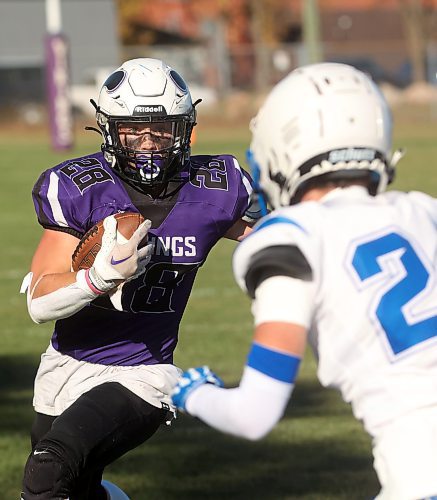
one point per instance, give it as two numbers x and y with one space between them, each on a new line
46 476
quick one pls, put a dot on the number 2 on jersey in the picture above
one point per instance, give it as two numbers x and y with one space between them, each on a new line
400 334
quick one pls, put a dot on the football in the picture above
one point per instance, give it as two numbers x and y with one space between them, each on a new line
88 247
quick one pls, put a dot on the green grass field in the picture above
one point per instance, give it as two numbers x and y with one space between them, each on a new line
318 451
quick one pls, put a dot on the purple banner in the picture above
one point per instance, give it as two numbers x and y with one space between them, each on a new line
58 92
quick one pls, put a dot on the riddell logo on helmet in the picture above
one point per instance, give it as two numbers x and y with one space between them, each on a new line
350 154
150 110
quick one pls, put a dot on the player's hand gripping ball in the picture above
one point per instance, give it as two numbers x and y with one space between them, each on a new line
90 244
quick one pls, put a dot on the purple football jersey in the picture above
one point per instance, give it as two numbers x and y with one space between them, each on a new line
141 325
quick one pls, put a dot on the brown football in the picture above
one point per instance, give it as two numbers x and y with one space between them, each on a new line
88 247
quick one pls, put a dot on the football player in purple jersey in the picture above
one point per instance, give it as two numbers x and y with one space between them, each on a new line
103 385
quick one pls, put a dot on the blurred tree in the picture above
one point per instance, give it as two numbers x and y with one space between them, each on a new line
270 25
246 31
252 29
128 11
415 14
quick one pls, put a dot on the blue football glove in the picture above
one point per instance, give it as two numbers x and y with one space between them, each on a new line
190 381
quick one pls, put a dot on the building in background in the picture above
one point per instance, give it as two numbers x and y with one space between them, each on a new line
91 29
251 44
219 46
395 41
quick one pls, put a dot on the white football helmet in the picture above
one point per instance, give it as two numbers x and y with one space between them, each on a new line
326 120
145 94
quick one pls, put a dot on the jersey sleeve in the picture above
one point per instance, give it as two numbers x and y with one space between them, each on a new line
427 202
227 188
75 194
253 211
55 209
280 245
247 206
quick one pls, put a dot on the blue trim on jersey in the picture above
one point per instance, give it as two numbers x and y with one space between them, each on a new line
278 219
274 364
256 174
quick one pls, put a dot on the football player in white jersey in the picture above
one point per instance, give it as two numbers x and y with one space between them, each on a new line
343 266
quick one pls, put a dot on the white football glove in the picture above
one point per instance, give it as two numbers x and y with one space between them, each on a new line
116 262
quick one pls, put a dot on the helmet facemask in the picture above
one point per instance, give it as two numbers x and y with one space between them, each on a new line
147 151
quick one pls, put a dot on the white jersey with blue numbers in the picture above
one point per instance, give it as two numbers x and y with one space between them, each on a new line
373 321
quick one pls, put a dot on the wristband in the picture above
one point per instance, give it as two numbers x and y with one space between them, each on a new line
96 283
275 364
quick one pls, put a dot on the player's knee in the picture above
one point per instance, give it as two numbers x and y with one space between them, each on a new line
46 476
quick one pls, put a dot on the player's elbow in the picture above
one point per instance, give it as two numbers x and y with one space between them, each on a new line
37 314
255 432
41 310
254 424
38 321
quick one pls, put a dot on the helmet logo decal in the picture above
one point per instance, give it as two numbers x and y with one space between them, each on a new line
150 110
346 157
115 80
349 154
178 81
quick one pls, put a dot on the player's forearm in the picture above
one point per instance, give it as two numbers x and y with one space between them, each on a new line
239 230
49 283
58 296
250 410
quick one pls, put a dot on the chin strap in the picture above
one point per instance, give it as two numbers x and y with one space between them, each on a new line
396 157
94 129
95 105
